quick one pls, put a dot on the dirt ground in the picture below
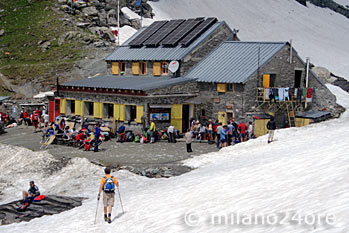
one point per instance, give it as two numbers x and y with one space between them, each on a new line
142 156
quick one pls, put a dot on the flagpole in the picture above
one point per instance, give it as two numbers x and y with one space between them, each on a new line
118 22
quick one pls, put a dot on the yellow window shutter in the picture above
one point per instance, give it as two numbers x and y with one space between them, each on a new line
221 87
140 113
122 112
176 116
266 80
116 112
135 68
101 110
96 109
115 68
78 108
63 106
222 117
157 68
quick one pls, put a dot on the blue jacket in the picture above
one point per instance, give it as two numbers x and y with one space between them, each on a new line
223 133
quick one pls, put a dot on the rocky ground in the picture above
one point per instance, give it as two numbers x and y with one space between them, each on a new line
161 159
49 206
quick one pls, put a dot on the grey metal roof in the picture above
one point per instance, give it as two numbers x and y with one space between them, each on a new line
3 98
234 61
313 114
161 53
138 83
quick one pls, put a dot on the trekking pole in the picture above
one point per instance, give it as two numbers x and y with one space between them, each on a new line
96 212
121 201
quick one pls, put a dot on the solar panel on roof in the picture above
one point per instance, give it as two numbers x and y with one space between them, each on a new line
156 38
202 27
174 37
143 36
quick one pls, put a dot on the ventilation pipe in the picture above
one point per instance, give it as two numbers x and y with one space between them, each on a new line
291 51
307 78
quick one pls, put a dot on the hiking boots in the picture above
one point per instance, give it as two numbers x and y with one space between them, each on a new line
106 218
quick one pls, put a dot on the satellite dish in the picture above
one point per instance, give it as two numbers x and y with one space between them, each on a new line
173 66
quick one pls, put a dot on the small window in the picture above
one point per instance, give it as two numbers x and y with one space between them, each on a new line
88 109
143 67
70 106
272 80
164 68
230 87
108 111
122 68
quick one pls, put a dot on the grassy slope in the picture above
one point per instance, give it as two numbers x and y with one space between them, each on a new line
26 24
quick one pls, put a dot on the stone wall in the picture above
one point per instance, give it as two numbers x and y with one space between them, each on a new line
221 34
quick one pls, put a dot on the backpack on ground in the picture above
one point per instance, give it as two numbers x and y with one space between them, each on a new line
109 185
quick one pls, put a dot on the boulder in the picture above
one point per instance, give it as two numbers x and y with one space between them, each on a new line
109 36
102 18
2 32
135 23
62 2
323 73
65 8
45 46
90 11
111 18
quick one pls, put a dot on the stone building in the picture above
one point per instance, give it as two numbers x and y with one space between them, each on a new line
142 85
235 81
162 75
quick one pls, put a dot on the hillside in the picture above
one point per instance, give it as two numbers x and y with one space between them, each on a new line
48 39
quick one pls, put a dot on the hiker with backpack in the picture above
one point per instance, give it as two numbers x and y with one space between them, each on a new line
107 185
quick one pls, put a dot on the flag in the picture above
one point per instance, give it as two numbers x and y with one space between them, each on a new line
139 2
115 32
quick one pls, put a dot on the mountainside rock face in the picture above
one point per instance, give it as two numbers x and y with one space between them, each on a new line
344 10
103 13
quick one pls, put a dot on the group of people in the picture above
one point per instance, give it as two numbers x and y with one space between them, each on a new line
38 118
84 137
222 135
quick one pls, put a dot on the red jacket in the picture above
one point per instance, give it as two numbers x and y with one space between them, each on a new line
242 128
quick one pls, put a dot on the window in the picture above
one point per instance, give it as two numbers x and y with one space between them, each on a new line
164 68
297 78
156 68
88 110
130 113
221 87
272 80
230 87
143 67
115 68
122 66
108 111
70 106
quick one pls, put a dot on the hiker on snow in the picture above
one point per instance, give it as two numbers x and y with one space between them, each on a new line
107 185
271 126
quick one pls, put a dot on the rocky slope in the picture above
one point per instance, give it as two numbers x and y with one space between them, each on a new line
61 38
